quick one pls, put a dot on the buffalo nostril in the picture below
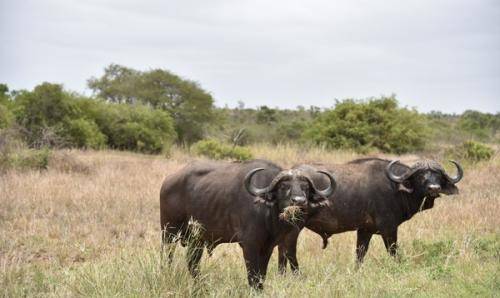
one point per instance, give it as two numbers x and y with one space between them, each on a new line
299 200
434 187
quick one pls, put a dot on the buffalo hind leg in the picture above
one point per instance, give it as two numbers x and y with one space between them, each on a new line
362 244
391 241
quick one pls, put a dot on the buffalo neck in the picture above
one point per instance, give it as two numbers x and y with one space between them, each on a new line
276 227
413 203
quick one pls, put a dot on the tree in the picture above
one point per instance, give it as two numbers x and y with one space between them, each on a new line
6 116
43 113
266 115
481 125
190 106
364 125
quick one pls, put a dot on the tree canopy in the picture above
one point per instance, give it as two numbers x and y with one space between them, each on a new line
190 106
364 125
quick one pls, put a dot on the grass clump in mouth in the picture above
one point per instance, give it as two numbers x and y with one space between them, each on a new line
291 214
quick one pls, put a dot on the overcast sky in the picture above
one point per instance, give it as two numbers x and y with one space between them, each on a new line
435 55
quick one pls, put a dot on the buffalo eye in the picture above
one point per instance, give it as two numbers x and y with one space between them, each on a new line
407 184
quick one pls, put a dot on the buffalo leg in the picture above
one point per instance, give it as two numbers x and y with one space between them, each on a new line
362 244
264 257
168 239
291 255
253 265
391 241
194 254
287 250
282 261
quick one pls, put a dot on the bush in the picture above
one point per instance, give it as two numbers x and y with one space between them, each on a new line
84 134
5 117
289 132
190 106
30 159
374 124
216 150
15 155
472 151
127 127
482 126
49 116
45 108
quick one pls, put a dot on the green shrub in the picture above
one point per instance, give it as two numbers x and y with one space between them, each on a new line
28 159
190 106
482 126
472 151
127 127
289 132
366 125
6 117
51 116
45 108
84 134
14 153
216 150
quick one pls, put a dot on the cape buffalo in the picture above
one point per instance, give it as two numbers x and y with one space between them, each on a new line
229 206
374 196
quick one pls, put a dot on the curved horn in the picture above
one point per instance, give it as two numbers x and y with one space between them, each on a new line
460 173
391 175
252 189
331 187
278 178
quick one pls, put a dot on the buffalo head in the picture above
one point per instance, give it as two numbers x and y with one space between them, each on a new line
426 177
291 188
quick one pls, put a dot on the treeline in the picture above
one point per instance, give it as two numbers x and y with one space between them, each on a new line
148 111
379 124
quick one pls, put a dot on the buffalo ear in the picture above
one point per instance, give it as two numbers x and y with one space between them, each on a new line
318 200
405 187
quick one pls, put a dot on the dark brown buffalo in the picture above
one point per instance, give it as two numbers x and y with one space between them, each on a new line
374 196
228 206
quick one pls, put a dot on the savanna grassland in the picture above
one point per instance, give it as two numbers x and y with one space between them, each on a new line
89 226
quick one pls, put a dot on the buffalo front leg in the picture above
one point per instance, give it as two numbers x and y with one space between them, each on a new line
282 261
288 252
193 255
256 261
252 264
168 239
391 241
291 254
362 244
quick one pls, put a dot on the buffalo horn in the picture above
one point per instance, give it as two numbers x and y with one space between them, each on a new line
325 193
460 173
252 189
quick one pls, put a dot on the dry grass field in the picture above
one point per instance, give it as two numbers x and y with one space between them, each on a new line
89 226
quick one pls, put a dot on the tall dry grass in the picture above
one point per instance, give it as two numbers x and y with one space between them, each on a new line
89 226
